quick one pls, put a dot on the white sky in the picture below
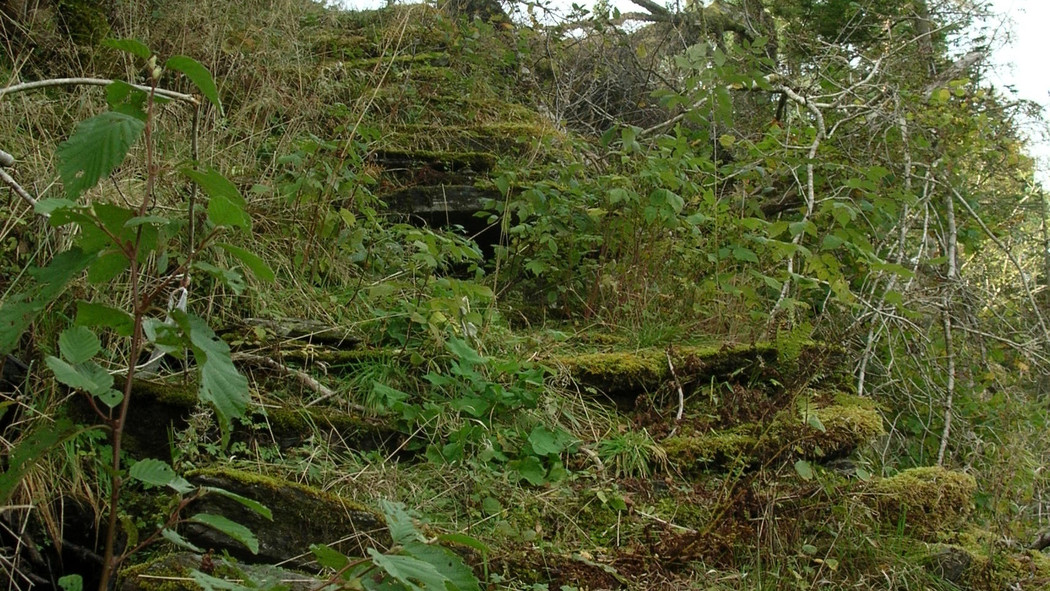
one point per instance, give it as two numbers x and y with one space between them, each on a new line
1021 64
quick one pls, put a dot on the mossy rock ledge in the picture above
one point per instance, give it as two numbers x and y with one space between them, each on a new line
173 572
925 501
815 431
302 516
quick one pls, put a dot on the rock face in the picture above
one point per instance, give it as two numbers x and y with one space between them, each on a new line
301 516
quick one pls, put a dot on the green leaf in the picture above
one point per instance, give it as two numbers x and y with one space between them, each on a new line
329 558
231 528
199 75
465 540
544 441
446 563
399 522
814 421
251 504
255 264
92 314
174 537
78 344
210 583
98 145
804 470
222 385
214 184
529 469
107 267
742 253
19 311
159 473
223 212
29 450
413 573
85 376
132 46
71 583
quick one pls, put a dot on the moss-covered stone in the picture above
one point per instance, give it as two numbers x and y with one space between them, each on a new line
717 448
924 501
302 515
820 431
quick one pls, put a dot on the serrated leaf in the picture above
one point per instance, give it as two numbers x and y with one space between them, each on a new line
742 253
79 377
98 145
804 470
413 573
232 529
399 522
445 562
529 469
222 385
329 558
159 473
545 441
92 314
78 344
132 46
199 75
223 212
255 264
251 504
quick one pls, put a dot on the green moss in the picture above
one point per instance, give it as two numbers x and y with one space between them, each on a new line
924 500
84 20
822 432
717 448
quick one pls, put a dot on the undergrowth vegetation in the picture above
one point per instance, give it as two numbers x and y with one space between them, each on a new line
726 301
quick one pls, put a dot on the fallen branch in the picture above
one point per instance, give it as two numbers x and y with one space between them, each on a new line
169 94
304 378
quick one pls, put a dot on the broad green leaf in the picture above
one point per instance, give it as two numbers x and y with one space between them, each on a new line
251 504
107 267
413 573
804 470
158 473
809 549
399 522
256 264
232 529
214 184
98 145
544 441
78 344
529 469
132 46
223 212
80 376
29 450
199 75
222 385
19 311
92 314
50 206
71 583
329 558
445 562
742 253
